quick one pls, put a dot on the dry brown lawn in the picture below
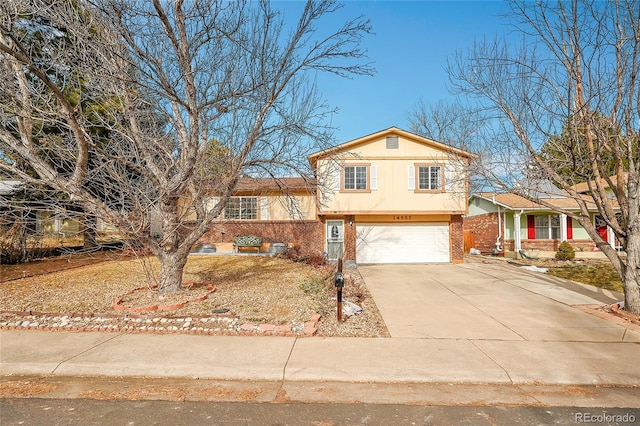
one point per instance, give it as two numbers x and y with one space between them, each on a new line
254 289
595 272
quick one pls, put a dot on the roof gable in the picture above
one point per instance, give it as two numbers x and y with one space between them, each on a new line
382 135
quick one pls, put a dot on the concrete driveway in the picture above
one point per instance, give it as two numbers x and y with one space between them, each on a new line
481 301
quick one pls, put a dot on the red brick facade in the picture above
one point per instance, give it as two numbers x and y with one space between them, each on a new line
306 234
550 245
350 241
456 237
485 231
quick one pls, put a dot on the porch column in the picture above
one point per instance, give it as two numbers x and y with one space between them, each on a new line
563 227
517 240
611 237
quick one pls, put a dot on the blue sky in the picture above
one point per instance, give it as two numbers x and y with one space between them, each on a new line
410 48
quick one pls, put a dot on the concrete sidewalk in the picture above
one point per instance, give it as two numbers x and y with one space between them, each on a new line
394 360
488 340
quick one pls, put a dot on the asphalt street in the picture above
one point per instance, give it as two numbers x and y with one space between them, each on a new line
25 412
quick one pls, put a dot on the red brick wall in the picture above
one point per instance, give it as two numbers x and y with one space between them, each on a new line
549 245
350 238
307 235
485 230
457 239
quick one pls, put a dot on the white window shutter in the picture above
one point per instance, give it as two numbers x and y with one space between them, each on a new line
212 203
373 171
411 175
336 179
449 177
264 208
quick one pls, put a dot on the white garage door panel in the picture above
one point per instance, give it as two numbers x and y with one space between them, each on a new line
403 243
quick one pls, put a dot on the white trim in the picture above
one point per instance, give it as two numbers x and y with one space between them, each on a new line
373 171
411 178
336 239
264 208
449 177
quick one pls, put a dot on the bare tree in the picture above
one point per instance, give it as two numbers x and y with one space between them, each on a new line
454 125
444 122
579 62
172 77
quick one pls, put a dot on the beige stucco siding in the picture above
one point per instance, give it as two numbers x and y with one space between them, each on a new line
392 192
287 208
377 148
278 207
392 177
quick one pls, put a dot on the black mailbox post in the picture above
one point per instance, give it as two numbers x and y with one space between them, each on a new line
339 283
339 280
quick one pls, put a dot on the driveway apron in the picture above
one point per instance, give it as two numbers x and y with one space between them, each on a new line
484 302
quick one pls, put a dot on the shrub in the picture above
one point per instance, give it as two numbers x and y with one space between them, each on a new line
565 252
313 285
297 255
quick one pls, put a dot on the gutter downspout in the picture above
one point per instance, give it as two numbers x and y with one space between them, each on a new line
498 248
498 240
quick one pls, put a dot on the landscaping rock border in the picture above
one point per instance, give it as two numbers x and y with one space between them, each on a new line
225 325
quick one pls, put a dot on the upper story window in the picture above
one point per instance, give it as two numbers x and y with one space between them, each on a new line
242 208
356 177
429 178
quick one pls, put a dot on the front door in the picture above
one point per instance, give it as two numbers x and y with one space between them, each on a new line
335 239
601 227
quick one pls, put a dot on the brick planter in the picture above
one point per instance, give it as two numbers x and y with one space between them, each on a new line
118 303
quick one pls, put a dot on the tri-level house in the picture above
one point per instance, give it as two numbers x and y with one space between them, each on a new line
388 197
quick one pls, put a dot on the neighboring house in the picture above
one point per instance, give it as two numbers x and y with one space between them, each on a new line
585 187
505 222
46 222
389 197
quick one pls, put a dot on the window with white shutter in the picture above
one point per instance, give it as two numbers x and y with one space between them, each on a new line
241 208
336 179
356 178
449 177
264 208
428 177
411 176
373 171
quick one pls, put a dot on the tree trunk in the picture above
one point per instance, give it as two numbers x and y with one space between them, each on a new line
171 270
89 232
631 278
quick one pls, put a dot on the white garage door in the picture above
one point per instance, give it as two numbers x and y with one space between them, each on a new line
403 243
